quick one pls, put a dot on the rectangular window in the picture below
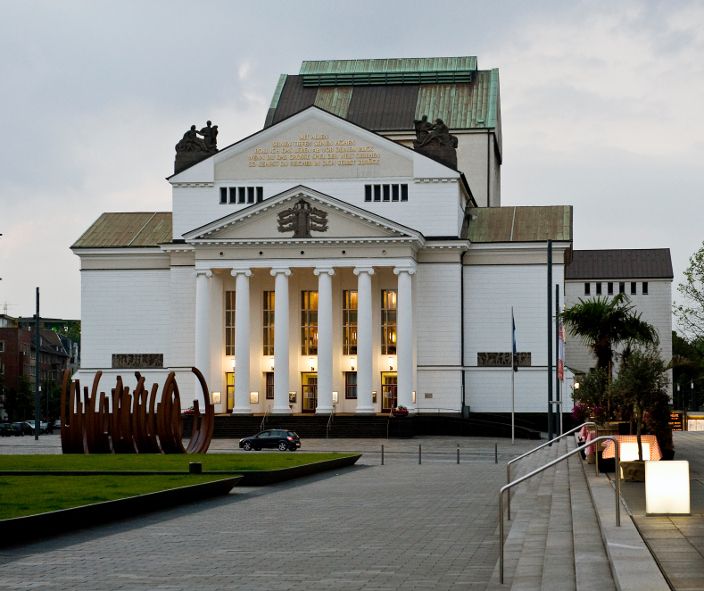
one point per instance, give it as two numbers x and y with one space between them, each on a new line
268 323
223 194
598 288
260 194
388 322
350 385
269 388
2 346
645 288
621 287
309 323
229 323
241 194
349 322
386 192
633 288
610 288
587 288
250 194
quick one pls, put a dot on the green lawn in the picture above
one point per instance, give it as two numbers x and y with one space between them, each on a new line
161 462
29 495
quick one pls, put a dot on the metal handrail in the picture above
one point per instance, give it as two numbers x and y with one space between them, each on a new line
508 464
329 423
266 414
507 487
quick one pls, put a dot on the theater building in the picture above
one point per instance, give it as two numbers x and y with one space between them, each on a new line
352 255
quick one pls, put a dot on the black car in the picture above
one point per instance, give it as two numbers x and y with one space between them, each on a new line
10 429
280 439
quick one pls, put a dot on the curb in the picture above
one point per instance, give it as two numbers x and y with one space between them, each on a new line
31 527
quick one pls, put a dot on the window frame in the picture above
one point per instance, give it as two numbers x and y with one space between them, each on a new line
389 321
268 321
349 321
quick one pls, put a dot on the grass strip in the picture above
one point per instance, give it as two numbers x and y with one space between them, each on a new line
30 495
161 462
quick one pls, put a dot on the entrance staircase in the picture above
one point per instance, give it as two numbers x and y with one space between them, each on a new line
554 542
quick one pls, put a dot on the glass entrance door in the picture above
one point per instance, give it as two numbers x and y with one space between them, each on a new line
389 380
309 385
230 390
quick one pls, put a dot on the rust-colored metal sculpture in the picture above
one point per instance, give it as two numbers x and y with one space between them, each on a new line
131 422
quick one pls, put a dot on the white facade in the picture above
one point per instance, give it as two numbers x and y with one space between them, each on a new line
653 302
445 296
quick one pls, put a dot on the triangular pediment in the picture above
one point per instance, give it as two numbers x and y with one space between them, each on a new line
304 214
312 144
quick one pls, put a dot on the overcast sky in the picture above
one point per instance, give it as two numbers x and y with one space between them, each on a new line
602 106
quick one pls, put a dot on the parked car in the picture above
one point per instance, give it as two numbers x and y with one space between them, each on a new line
24 427
42 426
280 439
10 429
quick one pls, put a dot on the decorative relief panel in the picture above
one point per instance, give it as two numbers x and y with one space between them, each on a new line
137 360
502 359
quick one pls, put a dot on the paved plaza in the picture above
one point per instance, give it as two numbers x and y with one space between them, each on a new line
420 521
403 525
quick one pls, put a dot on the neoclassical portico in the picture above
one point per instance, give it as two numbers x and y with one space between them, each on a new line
329 360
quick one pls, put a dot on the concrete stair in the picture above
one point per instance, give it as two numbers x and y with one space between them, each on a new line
554 542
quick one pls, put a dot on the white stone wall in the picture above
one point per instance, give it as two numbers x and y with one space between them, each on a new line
433 208
490 292
123 311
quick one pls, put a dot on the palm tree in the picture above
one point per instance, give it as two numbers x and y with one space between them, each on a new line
604 323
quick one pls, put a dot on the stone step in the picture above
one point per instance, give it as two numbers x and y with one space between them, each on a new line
554 541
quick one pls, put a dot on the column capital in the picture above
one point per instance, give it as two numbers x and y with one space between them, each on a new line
241 271
324 270
207 273
358 270
410 270
280 270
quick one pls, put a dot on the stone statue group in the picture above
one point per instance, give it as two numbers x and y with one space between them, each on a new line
192 143
427 132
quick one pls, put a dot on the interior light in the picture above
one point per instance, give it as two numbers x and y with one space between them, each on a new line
215 397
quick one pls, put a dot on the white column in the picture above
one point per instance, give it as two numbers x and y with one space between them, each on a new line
202 328
364 340
242 322
281 340
324 340
404 335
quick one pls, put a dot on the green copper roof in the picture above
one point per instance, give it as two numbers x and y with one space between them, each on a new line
521 224
127 229
370 93
429 70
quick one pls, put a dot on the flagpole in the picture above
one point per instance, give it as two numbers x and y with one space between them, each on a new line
513 378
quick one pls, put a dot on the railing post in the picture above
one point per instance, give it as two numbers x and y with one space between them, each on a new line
419 460
501 535
508 497
382 454
496 453
458 454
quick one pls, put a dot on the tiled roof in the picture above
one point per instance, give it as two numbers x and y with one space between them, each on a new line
521 224
387 95
646 263
133 229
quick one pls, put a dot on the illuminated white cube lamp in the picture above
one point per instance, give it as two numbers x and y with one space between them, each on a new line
628 451
667 488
